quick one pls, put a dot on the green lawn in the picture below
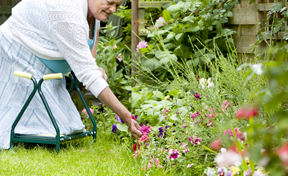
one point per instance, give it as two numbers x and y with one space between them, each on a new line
105 157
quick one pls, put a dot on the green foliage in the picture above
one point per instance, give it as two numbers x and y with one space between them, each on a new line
191 29
117 70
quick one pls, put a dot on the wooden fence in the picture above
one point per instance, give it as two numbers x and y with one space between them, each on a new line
247 20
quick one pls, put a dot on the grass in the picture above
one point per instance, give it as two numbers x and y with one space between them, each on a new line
105 157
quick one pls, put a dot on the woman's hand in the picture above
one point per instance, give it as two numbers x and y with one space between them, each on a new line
134 128
103 73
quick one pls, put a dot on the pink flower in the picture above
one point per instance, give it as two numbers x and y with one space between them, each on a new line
143 138
189 165
173 154
145 130
118 57
196 141
246 112
225 104
156 161
185 151
86 113
114 47
141 44
160 22
160 166
194 115
216 144
239 134
184 145
283 154
149 165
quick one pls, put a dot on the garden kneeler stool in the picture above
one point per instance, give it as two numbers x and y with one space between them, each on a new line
49 139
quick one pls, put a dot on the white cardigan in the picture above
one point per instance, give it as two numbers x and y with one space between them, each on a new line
57 30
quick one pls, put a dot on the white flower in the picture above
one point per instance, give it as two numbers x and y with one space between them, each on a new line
210 84
237 164
202 82
223 150
259 173
227 158
210 172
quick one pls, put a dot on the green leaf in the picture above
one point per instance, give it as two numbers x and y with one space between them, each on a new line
229 14
277 7
178 36
152 64
166 15
174 8
180 102
173 92
170 46
201 24
194 29
156 128
210 28
122 127
205 121
173 117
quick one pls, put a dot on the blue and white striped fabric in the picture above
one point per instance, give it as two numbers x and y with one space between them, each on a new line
14 91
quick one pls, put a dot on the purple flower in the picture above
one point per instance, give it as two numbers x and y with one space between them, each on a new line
140 45
136 116
198 95
177 112
229 173
118 118
160 132
114 128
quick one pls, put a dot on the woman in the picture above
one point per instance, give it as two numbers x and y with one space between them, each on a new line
46 36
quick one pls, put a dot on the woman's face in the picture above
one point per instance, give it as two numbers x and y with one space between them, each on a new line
101 9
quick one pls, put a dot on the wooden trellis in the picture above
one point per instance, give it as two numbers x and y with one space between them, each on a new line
247 20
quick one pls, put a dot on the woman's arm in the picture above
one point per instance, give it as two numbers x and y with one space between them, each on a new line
109 99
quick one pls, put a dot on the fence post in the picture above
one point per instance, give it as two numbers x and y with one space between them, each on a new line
134 34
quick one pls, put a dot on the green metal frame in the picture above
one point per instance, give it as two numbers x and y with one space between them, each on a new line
51 139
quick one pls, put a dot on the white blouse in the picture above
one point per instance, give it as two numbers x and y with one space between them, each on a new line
57 30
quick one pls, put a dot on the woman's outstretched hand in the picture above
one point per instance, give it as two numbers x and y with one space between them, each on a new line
134 128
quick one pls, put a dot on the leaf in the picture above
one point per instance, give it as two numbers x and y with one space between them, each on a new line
210 28
169 37
170 46
194 29
122 127
156 128
174 8
201 24
166 15
178 36
196 62
205 121
180 102
152 64
229 14
277 7
173 117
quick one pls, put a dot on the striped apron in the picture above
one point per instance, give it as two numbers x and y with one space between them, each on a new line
14 91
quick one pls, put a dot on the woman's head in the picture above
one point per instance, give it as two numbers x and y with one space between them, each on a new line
101 9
